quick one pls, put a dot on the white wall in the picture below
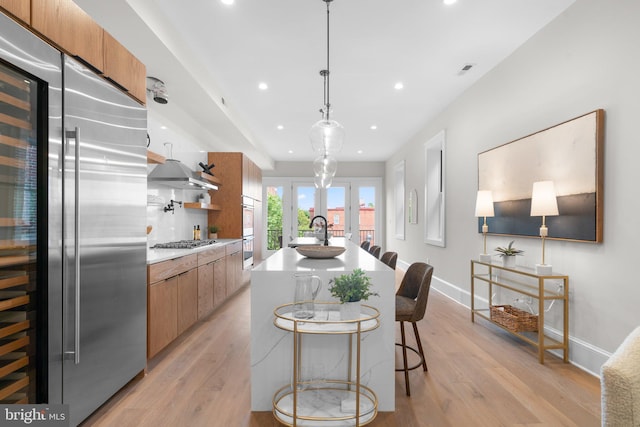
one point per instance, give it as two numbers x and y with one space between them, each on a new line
588 58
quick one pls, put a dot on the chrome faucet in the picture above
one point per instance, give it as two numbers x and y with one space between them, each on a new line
326 227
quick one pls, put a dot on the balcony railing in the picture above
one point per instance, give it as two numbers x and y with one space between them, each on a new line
274 237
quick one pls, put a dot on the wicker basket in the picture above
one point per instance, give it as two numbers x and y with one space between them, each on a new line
514 319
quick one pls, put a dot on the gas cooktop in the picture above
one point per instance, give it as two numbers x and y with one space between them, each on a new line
184 244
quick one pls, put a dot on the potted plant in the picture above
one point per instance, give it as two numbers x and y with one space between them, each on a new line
213 231
350 289
508 254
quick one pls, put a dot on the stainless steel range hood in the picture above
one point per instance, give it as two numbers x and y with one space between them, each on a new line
174 174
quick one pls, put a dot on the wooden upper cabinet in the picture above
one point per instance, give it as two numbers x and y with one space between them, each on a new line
21 9
70 28
123 68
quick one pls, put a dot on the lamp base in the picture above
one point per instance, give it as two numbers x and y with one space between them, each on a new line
485 258
544 269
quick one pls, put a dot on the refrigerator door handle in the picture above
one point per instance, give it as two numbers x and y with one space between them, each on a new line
75 134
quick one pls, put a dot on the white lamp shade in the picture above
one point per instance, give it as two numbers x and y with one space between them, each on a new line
327 137
543 199
484 203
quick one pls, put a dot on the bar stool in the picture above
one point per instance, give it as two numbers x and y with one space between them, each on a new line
375 251
390 258
365 245
411 304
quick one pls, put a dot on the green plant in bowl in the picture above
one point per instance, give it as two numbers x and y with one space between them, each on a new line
508 251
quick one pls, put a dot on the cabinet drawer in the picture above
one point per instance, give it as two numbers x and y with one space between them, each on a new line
164 270
234 247
210 255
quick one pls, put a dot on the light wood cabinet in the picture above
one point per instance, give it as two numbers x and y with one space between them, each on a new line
162 315
234 268
172 286
121 67
187 300
183 290
70 28
21 9
219 281
207 262
241 177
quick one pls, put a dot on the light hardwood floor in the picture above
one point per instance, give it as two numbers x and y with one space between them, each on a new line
478 376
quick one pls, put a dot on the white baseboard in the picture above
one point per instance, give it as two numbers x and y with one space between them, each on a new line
582 354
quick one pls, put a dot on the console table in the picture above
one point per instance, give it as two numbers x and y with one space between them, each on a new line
531 287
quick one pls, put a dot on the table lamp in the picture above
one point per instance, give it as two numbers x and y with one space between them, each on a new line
484 208
543 203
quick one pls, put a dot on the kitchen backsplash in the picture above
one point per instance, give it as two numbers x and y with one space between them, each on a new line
176 225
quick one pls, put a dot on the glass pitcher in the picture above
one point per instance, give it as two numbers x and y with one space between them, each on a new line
305 294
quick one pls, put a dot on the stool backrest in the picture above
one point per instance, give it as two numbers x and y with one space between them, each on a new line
365 245
390 258
375 251
415 285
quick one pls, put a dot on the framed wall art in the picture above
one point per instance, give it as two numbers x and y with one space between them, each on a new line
399 199
571 155
434 190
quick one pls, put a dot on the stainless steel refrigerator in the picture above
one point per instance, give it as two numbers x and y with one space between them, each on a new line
83 148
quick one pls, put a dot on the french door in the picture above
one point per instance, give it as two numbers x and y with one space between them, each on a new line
352 208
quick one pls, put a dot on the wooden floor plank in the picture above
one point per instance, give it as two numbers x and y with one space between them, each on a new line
478 375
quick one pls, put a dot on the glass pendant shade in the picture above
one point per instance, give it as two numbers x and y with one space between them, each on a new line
327 136
325 165
323 181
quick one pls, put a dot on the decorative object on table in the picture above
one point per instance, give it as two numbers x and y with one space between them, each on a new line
484 208
305 294
514 319
570 154
320 251
508 254
326 135
544 203
351 289
213 231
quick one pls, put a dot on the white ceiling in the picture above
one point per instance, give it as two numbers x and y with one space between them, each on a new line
205 51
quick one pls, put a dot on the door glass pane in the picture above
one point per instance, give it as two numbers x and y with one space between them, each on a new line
367 214
274 217
18 232
305 207
335 210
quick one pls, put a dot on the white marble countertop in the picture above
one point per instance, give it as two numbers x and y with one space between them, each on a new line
288 259
159 255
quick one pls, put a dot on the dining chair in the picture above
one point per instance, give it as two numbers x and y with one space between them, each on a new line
365 245
375 251
390 258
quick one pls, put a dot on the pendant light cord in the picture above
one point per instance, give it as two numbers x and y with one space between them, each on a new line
325 73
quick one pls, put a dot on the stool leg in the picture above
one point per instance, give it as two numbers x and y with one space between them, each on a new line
404 359
424 359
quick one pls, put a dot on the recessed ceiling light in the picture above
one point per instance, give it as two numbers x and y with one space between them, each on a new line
359 151
229 2
398 86
263 86
280 127
163 127
374 127
449 2
290 151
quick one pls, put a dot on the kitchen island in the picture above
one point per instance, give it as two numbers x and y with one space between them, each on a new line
323 357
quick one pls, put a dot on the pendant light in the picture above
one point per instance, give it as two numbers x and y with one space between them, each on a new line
326 135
